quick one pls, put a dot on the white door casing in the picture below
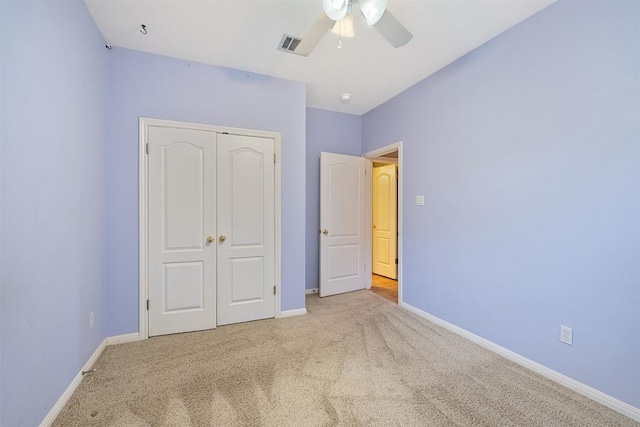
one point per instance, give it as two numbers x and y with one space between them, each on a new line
246 258
182 265
343 225
384 221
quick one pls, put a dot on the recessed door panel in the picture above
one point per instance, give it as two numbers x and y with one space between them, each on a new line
345 182
183 178
383 188
383 251
183 286
247 195
344 261
247 277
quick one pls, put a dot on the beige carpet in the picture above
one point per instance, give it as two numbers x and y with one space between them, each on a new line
354 360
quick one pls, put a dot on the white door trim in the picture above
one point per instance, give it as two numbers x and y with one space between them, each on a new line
380 152
387 160
143 188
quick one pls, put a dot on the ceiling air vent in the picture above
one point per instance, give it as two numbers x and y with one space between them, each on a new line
289 43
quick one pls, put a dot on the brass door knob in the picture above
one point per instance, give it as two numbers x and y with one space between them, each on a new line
211 239
222 238
325 231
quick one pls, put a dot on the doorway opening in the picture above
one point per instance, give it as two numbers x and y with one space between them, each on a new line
386 220
385 287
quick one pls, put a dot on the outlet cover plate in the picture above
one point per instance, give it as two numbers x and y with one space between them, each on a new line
566 335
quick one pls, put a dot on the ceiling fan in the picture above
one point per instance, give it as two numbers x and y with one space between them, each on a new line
375 13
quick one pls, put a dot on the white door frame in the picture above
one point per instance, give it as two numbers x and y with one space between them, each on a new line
143 215
380 152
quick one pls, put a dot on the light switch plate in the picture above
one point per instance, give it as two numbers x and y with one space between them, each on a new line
419 200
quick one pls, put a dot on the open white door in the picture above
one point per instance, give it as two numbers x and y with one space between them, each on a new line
182 221
343 229
385 225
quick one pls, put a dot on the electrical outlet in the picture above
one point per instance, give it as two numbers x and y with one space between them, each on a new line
566 334
91 320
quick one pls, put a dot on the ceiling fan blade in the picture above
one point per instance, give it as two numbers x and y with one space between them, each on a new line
392 30
314 35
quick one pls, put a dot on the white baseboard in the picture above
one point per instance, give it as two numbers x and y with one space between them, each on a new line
60 404
121 339
290 313
311 291
590 392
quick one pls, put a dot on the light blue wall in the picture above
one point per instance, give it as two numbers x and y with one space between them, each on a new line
527 151
2 137
146 85
334 133
54 68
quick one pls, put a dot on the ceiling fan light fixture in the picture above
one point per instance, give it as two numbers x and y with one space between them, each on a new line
335 9
372 10
344 27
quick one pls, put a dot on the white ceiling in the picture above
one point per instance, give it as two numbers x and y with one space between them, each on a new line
244 35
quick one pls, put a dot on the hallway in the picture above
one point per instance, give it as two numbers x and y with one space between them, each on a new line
385 287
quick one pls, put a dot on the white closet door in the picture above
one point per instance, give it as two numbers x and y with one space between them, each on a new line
182 215
246 226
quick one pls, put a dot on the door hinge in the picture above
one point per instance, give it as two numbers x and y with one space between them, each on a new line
147 148
274 290
147 305
274 159
225 133
396 261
